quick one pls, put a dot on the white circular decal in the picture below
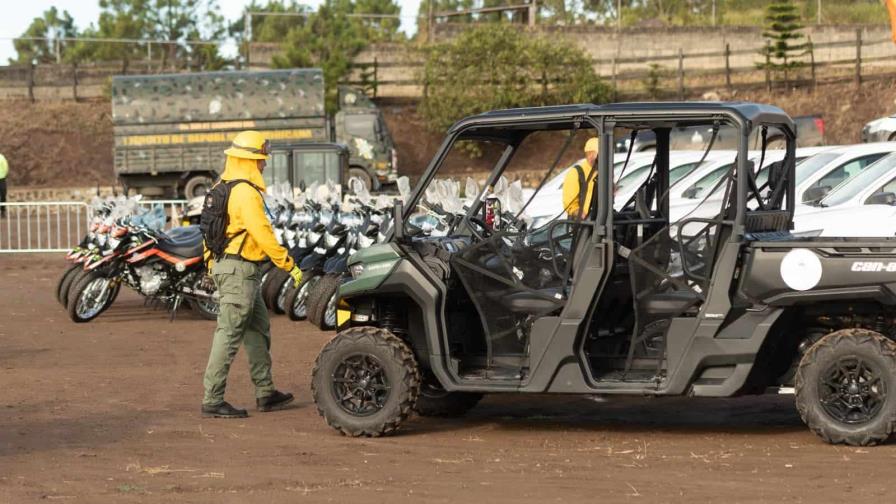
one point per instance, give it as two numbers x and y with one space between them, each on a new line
801 269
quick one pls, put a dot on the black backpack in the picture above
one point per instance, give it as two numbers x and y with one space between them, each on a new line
214 219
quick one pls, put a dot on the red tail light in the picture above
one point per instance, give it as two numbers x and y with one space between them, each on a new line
819 123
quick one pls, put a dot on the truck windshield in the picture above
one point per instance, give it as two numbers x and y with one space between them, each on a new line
361 125
855 185
316 166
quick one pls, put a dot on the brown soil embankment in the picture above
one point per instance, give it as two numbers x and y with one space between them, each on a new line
59 144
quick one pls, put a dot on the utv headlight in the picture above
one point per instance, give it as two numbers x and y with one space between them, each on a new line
356 269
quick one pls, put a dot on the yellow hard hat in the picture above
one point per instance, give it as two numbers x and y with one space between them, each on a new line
249 145
592 145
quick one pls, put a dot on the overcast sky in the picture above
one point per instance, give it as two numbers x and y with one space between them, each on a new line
16 17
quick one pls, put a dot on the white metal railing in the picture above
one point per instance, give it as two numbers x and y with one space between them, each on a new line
58 226
42 226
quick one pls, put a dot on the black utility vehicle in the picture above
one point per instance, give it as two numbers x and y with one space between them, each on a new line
621 301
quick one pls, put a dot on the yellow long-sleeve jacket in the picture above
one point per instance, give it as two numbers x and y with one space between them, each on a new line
572 191
246 211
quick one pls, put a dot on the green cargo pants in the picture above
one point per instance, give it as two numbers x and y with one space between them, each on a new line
243 319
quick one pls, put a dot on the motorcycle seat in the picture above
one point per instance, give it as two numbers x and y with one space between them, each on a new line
183 242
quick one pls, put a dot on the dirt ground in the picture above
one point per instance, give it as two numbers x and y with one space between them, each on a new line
108 412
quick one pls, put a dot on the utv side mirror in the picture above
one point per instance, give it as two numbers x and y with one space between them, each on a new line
691 192
815 193
882 198
398 221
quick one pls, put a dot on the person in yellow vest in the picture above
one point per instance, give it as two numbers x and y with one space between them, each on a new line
243 317
4 171
577 202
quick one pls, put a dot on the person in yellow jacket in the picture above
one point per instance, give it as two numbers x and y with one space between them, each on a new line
576 203
243 318
4 171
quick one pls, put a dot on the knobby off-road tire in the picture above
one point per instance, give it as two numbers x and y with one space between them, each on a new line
271 289
846 387
311 301
435 401
322 294
72 280
395 387
63 284
83 294
296 303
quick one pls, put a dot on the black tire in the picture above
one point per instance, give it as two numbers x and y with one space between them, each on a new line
72 280
434 401
855 407
79 298
323 294
312 301
389 393
297 308
197 185
271 288
364 177
62 285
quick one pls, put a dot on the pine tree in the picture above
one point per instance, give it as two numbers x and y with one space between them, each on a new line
784 41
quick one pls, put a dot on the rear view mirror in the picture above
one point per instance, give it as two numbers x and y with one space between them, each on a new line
814 194
882 198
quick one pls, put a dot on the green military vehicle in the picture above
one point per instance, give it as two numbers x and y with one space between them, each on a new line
171 130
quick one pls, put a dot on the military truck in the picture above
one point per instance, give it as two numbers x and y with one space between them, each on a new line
171 130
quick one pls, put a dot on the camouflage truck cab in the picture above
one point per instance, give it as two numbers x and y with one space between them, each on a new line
171 130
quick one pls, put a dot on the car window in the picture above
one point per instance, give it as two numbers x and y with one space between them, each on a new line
812 164
889 187
708 181
680 171
852 187
841 173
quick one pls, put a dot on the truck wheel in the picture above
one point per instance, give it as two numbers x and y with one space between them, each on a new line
365 177
197 186
365 382
435 401
846 387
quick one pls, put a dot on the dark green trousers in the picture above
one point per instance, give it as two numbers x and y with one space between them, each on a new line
243 320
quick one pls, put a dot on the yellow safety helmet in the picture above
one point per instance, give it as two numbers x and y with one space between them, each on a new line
592 145
249 145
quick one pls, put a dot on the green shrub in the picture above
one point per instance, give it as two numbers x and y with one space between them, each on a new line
497 66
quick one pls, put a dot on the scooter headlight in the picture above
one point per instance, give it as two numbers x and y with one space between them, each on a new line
364 241
331 240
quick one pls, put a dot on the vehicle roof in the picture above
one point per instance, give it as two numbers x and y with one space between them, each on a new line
747 111
864 148
844 154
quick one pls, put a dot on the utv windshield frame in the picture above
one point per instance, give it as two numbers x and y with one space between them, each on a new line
511 127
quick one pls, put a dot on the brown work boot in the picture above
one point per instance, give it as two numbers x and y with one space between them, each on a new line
276 401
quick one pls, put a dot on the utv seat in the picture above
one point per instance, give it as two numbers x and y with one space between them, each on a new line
183 242
670 303
530 302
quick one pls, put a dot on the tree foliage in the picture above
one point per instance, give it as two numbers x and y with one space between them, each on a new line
52 25
785 43
498 66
